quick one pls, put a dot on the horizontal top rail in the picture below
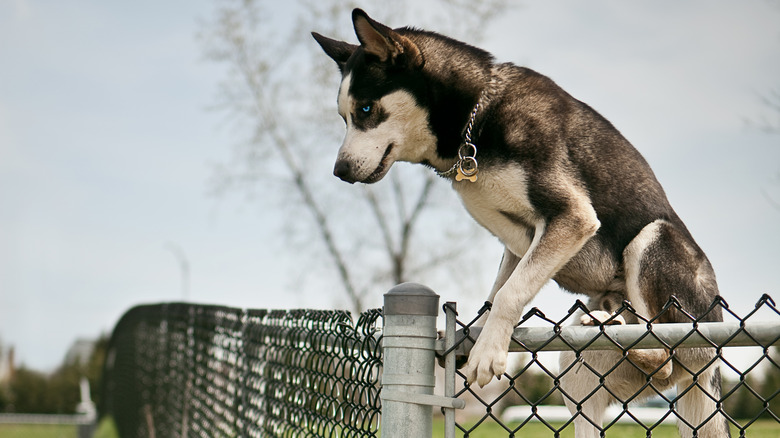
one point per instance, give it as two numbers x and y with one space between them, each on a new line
618 337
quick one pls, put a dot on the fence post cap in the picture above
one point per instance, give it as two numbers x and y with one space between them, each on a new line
411 299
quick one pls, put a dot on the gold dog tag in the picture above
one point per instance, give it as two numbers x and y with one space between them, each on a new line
460 176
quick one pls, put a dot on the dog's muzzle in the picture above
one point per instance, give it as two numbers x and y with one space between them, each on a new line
343 170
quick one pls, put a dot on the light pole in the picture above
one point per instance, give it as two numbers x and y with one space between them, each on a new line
184 266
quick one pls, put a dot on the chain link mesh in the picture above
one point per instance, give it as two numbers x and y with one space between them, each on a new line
182 370
534 384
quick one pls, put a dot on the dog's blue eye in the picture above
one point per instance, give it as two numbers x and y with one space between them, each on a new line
366 108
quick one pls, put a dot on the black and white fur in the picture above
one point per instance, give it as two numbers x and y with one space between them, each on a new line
567 195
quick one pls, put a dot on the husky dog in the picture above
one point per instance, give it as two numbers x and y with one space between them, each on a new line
555 182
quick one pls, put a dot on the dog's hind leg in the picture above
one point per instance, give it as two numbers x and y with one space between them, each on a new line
697 411
660 261
584 392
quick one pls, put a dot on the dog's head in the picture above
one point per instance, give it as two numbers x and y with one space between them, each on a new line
382 101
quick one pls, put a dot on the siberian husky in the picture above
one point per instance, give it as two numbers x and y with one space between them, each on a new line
556 183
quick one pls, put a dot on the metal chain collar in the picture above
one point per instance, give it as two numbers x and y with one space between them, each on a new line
466 167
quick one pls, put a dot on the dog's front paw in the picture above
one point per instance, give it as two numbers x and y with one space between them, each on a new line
487 359
600 317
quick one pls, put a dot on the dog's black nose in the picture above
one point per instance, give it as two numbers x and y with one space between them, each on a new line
342 170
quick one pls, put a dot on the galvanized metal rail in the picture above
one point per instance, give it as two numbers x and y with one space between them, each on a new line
618 337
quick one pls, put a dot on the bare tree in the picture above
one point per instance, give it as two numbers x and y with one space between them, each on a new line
281 89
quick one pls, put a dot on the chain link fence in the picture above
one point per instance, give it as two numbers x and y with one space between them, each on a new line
532 395
182 370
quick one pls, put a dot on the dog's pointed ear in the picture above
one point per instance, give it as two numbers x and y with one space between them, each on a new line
339 51
384 43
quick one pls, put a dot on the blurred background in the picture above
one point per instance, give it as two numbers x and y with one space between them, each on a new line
169 151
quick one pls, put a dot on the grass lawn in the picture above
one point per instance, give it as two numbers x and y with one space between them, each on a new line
38 431
106 429
759 429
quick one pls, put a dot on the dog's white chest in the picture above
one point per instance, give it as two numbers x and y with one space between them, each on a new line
499 202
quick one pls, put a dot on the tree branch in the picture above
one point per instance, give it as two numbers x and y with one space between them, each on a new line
411 221
281 145
381 220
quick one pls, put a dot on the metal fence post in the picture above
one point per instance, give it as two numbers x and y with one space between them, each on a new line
451 314
408 341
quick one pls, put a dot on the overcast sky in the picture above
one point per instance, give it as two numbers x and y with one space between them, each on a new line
107 145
